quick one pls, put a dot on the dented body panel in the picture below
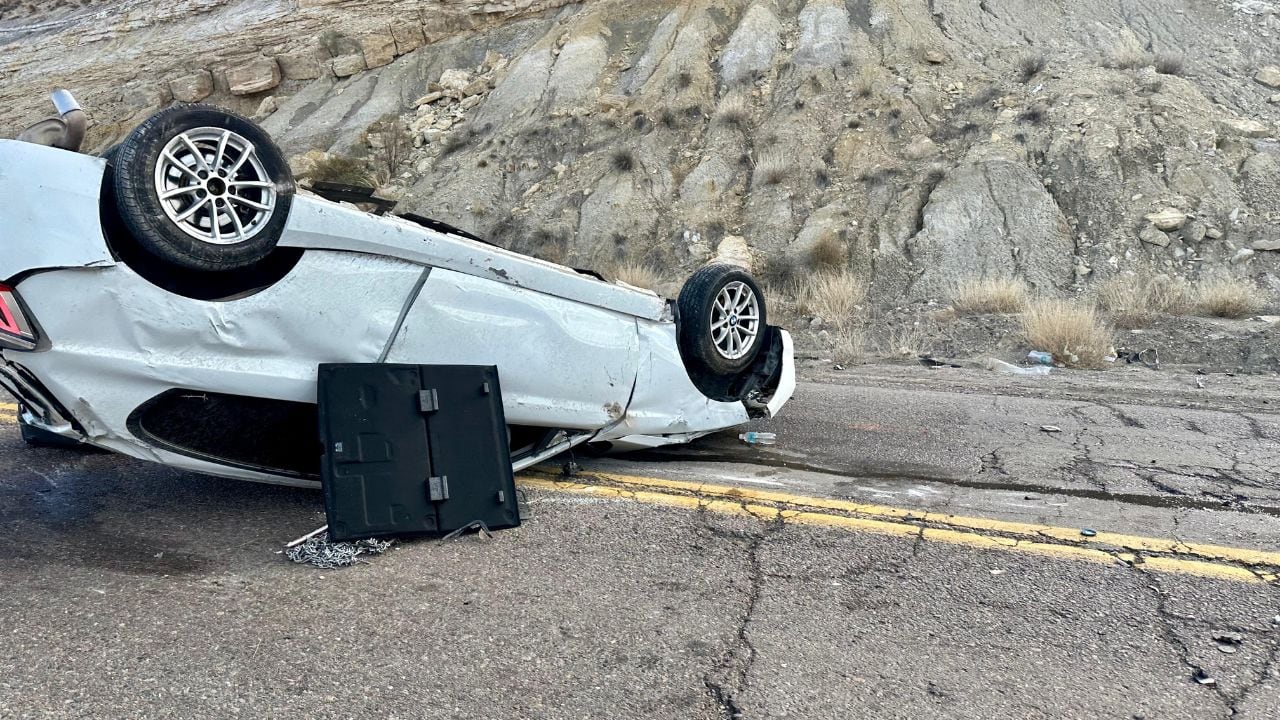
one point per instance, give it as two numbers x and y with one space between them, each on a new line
598 360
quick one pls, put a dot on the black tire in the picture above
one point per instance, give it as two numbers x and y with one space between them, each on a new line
39 437
160 234
697 313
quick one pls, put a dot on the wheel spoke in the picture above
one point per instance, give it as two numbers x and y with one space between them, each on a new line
744 318
186 189
719 324
222 148
177 164
235 220
248 203
204 165
185 214
244 156
250 183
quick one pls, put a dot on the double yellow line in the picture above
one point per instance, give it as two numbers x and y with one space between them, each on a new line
1164 555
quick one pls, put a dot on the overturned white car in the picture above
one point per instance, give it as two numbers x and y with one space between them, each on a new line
172 302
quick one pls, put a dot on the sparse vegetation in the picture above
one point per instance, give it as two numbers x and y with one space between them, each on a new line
771 167
828 253
1035 115
985 296
1031 64
833 296
865 84
1072 331
622 160
733 109
639 275
391 143
1228 297
1134 301
342 169
1127 54
848 344
1170 63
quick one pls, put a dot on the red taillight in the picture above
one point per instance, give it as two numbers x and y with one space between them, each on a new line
15 332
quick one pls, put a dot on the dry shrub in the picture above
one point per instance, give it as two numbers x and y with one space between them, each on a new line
1135 301
639 275
828 253
771 167
1127 53
343 169
733 109
1170 63
848 344
1073 332
864 85
1031 64
1228 297
989 296
832 296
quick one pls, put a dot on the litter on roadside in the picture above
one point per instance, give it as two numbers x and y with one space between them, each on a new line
1036 357
1010 369
1088 532
1050 428
316 549
758 438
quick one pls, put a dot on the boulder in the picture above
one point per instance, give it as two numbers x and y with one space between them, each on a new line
1247 128
348 65
378 50
300 66
255 77
192 88
455 79
1271 245
1269 76
1152 235
734 251
1169 219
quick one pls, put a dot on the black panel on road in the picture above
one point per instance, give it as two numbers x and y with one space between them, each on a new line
412 449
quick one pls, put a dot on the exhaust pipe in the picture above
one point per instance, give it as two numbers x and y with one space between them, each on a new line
74 118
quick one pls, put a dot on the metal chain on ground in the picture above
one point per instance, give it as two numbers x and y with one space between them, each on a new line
322 553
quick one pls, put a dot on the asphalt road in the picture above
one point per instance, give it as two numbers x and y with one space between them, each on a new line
870 565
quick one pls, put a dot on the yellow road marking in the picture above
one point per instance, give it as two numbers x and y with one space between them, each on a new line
1156 554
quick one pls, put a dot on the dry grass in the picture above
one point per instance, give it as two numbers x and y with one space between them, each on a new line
1031 64
1134 301
832 296
1228 297
1072 331
848 344
733 109
865 84
828 253
1127 53
986 296
772 167
639 275
343 169
1170 63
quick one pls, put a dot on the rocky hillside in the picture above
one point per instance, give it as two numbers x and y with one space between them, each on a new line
917 142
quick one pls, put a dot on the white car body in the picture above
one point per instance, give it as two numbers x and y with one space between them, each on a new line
599 360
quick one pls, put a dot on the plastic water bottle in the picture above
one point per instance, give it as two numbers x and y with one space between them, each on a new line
1036 357
758 438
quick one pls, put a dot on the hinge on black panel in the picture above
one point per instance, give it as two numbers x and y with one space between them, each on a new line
438 488
428 400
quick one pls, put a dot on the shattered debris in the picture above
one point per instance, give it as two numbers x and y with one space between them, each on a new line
317 550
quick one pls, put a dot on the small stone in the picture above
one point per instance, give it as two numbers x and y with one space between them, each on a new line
920 148
1269 76
1051 428
266 107
455 79
470 102
610 102
428 99
1153 236
348 65
192 88
1241 255
255 77
476 87
1266 245
1247 128
1088 532
934 57
1194 231
1274 99
1213 234
1168 219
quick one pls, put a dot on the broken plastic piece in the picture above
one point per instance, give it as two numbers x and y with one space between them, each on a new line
758 438
1088 532
1004 367
1036 357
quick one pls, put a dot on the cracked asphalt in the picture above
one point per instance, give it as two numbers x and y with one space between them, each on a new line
131 590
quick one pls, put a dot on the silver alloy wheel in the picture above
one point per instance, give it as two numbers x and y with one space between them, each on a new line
735 320
213 186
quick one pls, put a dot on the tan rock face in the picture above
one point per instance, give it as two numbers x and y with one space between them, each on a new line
378 50
192 88
303 65
255 77
347 65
